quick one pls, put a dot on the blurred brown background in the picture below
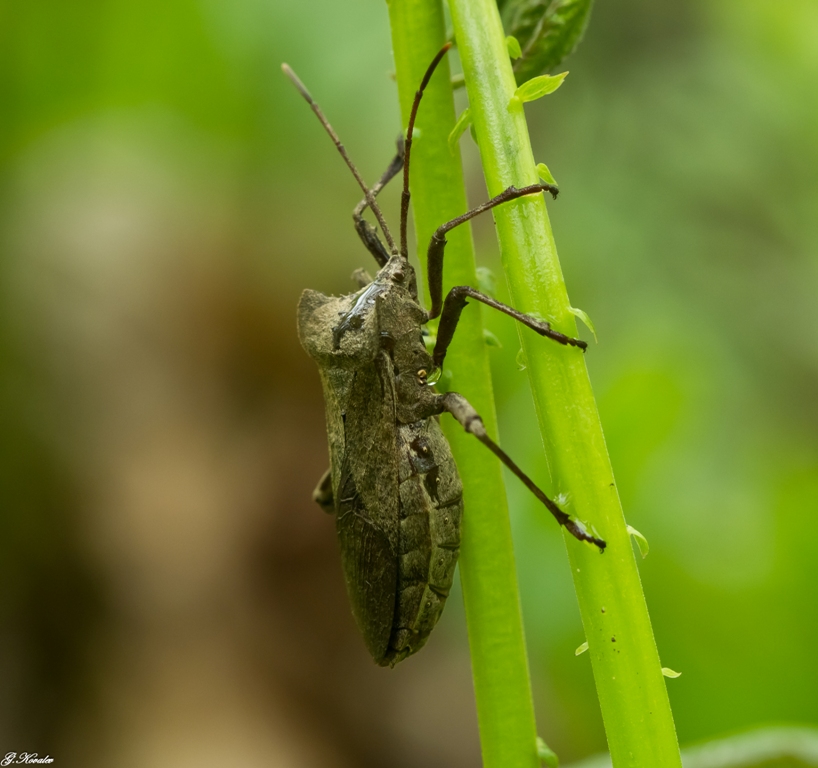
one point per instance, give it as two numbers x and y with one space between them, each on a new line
169 593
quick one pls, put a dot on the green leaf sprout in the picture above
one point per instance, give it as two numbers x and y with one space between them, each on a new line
585 319
641 542
513 45
537 87
546 754
668 672
463 122
545 174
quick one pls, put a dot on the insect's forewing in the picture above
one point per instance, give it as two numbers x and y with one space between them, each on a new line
359 392
368 504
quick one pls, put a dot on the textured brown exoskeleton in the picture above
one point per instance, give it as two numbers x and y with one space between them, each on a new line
393 484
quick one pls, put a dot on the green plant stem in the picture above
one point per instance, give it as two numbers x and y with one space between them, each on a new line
487 569
630 685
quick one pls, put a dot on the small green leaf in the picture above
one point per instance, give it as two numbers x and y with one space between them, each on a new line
641 541
668 672
545 174
546 754
585 319
490 339
579 651
538 87
486 281
513 45
463 122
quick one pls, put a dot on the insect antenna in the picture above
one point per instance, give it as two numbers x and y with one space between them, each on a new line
404 201
370 198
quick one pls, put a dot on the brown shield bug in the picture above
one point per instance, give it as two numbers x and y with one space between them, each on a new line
393 484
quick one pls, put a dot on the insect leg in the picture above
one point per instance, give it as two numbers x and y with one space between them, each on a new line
365 230
322 495
453 306
470 420
434 254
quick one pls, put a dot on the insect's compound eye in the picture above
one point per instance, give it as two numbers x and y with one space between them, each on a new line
398 275
422 374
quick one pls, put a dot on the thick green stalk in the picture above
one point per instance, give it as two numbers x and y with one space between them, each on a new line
487 569
630 685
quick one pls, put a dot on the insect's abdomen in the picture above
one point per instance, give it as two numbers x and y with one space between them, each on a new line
431 507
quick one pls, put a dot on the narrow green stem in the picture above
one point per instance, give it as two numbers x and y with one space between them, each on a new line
487 569
630 685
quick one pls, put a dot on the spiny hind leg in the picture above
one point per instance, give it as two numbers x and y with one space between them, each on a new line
470 420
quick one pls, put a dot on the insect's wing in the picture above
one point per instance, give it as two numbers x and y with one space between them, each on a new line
368 504
370 569
359 389
318 315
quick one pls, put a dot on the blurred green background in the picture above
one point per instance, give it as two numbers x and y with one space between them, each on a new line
169 594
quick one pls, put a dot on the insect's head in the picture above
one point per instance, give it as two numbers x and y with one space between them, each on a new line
399 272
